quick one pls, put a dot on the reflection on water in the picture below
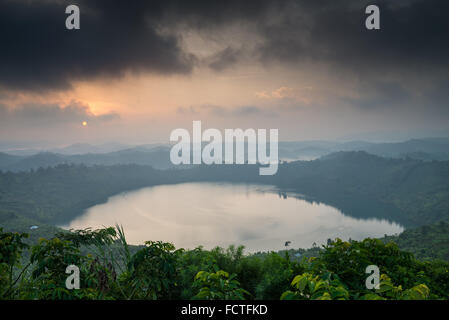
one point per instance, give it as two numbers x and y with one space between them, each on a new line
212 214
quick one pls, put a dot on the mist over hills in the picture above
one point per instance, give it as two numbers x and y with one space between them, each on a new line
422 149
82 148
158 155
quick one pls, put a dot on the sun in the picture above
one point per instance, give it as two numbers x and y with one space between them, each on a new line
84 123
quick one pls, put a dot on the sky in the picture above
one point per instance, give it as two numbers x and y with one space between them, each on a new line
136 70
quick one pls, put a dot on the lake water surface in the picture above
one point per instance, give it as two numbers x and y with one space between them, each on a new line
220 214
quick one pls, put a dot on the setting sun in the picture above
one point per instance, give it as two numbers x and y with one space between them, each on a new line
84 123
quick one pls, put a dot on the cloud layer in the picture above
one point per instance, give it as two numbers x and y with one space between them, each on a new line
38 53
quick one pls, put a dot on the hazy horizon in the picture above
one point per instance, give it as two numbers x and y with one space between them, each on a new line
110 146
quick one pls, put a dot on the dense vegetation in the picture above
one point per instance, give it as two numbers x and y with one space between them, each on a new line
109 269
426 243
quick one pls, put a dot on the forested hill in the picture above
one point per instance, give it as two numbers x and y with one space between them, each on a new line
426 243
419 190
157 157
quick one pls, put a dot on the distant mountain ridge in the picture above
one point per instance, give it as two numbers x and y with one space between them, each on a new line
158 155
422 149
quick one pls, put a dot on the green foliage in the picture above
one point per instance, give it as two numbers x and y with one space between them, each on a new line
349 261
50 259
387 290
111 269
86 237
11 247
310 287
277 274
218 286
339 273
153 271
52 256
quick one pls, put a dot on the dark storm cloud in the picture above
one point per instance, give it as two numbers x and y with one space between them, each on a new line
414 36
37 52
391 65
